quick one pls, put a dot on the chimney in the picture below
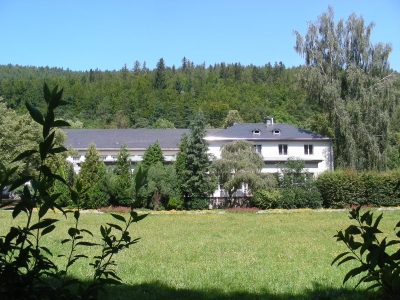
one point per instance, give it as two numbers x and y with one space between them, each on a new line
268 121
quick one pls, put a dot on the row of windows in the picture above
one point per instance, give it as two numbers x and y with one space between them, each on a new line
283 149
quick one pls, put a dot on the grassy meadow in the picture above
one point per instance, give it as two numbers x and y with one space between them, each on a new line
224 255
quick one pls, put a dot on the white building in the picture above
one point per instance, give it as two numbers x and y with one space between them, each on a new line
275 142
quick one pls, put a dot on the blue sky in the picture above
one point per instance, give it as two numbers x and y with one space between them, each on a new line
90 34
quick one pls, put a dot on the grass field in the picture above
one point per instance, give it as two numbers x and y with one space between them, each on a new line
218 255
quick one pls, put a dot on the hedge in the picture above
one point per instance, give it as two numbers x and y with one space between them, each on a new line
343 188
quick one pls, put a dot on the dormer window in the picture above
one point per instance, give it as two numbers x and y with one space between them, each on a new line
256 131
276 131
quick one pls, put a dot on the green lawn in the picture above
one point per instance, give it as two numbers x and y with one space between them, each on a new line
280 255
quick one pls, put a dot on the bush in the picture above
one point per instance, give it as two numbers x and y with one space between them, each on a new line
27 269
343 188
266 199
197 203
174 203
377 265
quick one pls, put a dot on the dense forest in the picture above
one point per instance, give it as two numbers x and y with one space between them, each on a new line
138 97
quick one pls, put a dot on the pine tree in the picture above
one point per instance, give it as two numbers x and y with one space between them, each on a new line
159 80
152 155
199 178
89 173
123 178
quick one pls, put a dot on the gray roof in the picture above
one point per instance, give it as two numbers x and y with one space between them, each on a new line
247 131
133 138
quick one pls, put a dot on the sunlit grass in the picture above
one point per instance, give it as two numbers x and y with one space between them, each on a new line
280 254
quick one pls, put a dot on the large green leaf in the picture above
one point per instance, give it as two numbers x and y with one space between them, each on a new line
35 113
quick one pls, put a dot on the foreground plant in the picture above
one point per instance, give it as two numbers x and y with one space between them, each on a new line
27 269
376 265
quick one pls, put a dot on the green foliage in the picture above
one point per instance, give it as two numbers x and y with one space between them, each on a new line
98 194
199 180
160 186
152 156
174 203
267 199
232 118
378 263
27 269
239 163
297 186
342 188
163 124
349 78
123 177
91 173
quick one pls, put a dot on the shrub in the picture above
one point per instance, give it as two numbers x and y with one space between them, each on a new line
174 203
27 269
344 188
197 203
376 265
266 199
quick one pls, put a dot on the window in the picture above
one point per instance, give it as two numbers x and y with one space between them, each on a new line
276 131
308 150
256 131
282 149
257 148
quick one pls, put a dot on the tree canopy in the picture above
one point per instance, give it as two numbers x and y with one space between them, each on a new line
350 79
239 164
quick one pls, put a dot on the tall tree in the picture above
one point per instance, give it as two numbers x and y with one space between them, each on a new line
350 78
199 178
159 79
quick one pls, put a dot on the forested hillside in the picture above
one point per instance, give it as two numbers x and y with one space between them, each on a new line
137 97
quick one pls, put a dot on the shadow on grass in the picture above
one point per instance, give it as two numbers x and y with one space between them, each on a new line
158 290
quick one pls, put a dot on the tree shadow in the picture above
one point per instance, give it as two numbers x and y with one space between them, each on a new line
159 290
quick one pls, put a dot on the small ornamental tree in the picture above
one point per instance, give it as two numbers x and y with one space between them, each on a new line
239 164
123 177
180 164
89 174
199 178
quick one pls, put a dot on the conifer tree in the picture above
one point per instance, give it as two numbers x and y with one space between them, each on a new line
152 155
89 173
123 178
199 178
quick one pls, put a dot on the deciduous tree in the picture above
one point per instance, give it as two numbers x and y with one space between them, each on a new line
350 78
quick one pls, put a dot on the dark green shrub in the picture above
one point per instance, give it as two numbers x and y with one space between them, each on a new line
343 188
377 264
197 203
266 199
297 186
174 203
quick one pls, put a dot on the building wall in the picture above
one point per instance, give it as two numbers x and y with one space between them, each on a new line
318 162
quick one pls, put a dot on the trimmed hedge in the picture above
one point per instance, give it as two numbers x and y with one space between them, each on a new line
343 188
